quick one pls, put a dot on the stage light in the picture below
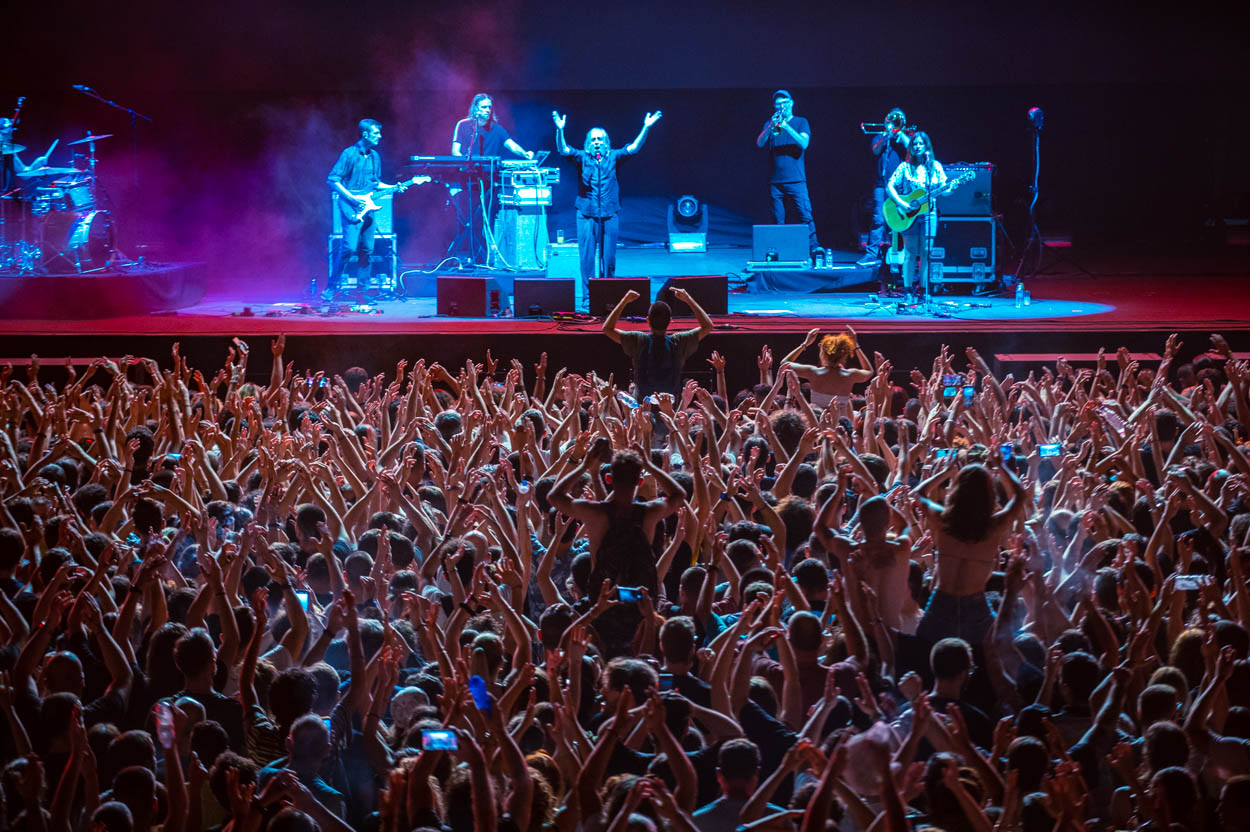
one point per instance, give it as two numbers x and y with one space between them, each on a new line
687 225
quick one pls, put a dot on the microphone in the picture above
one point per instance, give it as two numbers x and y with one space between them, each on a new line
1035 117
83 88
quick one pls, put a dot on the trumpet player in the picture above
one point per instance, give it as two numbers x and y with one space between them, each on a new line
786 136
889 146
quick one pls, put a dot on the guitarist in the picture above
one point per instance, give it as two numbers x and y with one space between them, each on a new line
920 170
356 172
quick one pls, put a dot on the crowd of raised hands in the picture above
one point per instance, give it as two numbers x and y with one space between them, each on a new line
319 601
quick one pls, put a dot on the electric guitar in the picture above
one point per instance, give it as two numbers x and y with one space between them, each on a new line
354 213
921 202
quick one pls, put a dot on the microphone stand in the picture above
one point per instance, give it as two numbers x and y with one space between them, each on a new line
1035 234
134 127
472 207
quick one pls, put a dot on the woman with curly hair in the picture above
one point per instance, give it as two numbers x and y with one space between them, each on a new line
832 380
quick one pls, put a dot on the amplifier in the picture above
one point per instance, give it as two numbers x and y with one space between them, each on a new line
971 199
963 250
383 263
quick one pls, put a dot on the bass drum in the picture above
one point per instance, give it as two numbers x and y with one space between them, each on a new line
84 240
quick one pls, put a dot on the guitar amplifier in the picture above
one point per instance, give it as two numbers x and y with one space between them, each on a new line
963 250
971 199
383 222
383 263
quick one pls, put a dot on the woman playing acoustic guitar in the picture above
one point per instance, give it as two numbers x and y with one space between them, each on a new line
921 172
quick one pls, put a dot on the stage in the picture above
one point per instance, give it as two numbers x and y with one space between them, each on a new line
1123 302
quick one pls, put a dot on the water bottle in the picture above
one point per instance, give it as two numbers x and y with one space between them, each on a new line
1019 295
629 400
1027 297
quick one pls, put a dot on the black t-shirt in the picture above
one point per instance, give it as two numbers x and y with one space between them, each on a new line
225 710
693 688
786 154
488 141
890 152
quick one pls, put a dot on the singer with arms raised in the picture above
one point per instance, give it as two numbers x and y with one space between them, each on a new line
786 136
598 195
358 170
920 171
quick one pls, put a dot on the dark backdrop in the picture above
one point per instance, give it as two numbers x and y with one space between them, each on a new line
252 102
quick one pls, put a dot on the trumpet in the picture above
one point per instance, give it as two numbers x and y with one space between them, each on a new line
879 128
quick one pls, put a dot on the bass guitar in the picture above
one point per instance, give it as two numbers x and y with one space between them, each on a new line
921 203
356 212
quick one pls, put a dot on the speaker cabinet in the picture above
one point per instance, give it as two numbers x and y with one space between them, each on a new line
548 294
470 296
606 293
711 291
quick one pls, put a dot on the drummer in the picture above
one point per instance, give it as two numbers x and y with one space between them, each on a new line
10 163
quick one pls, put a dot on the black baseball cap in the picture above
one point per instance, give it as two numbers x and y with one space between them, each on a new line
782 94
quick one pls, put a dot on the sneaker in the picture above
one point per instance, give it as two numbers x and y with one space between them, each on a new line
868 260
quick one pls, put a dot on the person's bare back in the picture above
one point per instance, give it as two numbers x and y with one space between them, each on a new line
884 565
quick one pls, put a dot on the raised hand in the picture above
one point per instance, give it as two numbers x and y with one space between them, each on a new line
651 118
559 119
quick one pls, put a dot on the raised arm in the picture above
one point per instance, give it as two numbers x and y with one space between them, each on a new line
648 120
609 325
562 147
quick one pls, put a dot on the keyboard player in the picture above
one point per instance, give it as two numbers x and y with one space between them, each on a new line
476 136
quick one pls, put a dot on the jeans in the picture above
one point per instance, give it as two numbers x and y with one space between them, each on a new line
596 239
357 242
956 616
877 235
796 194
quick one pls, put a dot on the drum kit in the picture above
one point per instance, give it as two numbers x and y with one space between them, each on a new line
53 219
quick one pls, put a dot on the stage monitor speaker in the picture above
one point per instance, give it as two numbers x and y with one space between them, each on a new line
971 199
546 294
606 292
779 243
470 296
711 291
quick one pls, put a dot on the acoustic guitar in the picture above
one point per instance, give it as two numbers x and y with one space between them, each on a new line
921 203
354 213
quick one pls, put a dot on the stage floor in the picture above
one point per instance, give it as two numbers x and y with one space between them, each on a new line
1147 294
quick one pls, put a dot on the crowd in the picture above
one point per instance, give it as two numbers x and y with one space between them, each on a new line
493 597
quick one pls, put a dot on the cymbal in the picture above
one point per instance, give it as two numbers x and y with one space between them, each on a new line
6 149
35 173
90 138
